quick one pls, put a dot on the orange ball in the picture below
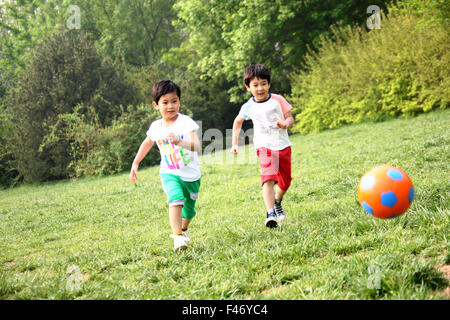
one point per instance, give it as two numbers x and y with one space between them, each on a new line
385 192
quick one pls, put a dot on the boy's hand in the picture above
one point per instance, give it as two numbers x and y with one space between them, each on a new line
281 124
133 173
173 138
235 149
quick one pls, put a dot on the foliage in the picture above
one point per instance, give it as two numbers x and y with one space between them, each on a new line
430 12
8 173
226 36
22 25
135 32
395 71
98 150
204 45
205 100
208 102
65 70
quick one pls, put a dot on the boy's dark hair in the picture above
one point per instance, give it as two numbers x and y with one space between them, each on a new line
164 87
256 71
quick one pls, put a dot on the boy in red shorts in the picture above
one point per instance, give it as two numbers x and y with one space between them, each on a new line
271 117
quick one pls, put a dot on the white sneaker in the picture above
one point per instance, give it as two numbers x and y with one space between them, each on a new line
180 242
281 214
186 235
271 220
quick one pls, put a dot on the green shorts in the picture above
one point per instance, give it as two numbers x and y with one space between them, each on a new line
181 192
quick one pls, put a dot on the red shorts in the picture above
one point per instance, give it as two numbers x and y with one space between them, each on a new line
276 166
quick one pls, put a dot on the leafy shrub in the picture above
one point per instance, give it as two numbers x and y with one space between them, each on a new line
396 71
65 70
8 174
98 150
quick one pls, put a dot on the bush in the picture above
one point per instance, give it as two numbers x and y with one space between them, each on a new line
117 145
396 71
98 150
8 173
65 71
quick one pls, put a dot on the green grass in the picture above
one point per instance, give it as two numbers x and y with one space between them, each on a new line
117 234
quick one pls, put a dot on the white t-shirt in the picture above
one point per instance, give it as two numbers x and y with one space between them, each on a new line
265 115
175 159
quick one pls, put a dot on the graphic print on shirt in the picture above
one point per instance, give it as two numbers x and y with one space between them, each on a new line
265 116
174 156
267 121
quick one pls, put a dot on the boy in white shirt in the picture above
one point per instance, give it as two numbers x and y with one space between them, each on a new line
178 143
271 117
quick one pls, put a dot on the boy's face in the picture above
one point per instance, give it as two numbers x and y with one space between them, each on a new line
168 105
259 88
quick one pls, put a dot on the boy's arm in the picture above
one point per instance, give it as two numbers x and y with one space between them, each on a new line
237 125
192 144
287 122
145 147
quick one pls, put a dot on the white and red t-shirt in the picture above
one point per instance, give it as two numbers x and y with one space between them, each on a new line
265 115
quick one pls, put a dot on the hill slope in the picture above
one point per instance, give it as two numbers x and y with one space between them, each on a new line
103 238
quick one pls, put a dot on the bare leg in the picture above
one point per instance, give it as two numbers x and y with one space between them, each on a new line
175 218
279 194
268 194
185 223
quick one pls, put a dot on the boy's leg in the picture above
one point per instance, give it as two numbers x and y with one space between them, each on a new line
190 191
269 200
284 173
184 228
180 242
185 224
175 219
268 194
279 194
284 181
281 214
173 187
268 161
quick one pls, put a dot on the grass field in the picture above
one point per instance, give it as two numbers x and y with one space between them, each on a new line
104 238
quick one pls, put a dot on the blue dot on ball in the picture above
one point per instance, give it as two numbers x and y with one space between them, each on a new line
388 199
394 174
411 194
367 207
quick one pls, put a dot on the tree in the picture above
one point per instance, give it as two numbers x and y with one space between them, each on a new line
65 71
8 173
136 32
22 25
229 35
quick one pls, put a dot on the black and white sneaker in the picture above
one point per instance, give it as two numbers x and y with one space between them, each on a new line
281 215
271 220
